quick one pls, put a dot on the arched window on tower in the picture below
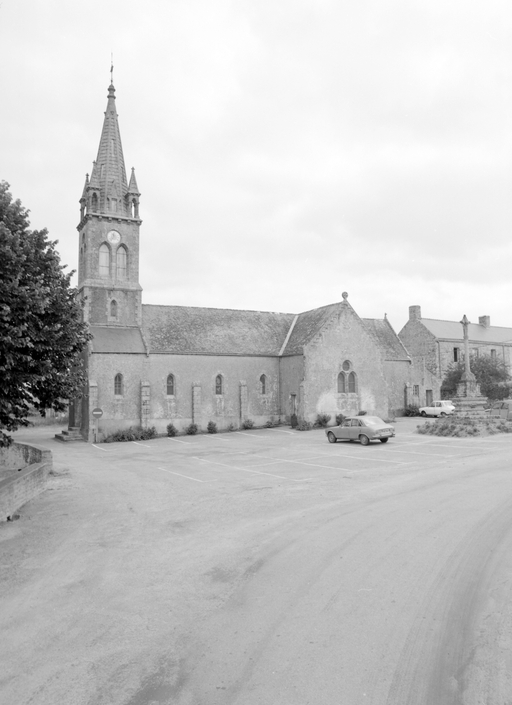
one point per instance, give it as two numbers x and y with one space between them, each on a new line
94 203
352 383
113 309
263 384
118 384
219 386
342 385
104 260
170 385
121 262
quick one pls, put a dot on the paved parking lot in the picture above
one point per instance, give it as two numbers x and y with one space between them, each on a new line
280 455
183 569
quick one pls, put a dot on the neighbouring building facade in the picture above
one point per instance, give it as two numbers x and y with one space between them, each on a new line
154 365
435 345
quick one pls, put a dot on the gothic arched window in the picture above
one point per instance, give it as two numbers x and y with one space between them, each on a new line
342 386
118 384
94 203
121 262
104 260
170 385
352 383
113 309
263 384
219 386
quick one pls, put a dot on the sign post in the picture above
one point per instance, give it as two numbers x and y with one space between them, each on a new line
97 413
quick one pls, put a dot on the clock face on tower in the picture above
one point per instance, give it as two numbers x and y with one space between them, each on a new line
113 237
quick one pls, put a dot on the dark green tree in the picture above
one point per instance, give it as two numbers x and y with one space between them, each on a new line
491 374
42 333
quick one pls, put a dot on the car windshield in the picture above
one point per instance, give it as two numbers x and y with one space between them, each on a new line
373 421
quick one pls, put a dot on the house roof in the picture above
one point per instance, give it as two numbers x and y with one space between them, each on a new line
187 329
452 330
114 339
390 343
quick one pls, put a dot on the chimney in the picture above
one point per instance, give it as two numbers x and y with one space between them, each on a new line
484 321
415 313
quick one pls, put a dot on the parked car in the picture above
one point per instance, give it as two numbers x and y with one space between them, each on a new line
438 408
502 409
361 428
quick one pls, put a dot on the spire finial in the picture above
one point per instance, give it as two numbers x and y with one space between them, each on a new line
112 68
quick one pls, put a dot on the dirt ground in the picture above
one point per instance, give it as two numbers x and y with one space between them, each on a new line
267 567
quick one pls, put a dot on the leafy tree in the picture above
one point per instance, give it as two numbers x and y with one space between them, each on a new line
491 374
41 330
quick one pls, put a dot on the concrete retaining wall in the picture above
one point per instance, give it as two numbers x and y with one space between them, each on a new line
24 471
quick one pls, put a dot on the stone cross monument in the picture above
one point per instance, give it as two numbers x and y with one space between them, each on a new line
469 400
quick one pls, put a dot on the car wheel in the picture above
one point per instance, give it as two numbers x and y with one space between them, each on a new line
364 440
442 413
384 440
423 413
332 438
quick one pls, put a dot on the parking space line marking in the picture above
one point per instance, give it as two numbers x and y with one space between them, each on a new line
242 433
359 457
103 449
186 476
414 452
254 472
213 437
141 444
278 430
178 441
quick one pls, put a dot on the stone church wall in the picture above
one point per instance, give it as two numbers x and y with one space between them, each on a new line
398 379
194 377
344 339
291 373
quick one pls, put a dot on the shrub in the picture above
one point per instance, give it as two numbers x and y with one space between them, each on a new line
231 427
322 420
339 419
412 410
191 429
304 426
212 427
463 427
147 433
131 434
171 429
294 420
269 424
247 424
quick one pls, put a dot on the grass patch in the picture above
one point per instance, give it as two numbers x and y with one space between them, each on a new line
462 427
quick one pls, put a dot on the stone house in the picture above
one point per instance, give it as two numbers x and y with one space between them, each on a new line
152 365
435 345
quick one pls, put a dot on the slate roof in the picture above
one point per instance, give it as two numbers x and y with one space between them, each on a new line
306 327
390 343
113 339
187 329
452 330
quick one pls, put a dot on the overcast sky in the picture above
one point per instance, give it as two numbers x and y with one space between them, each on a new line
286 150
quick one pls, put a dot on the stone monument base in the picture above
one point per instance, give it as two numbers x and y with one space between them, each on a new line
472 407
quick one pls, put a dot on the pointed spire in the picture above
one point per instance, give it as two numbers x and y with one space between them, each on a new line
86 186
133 189
109 173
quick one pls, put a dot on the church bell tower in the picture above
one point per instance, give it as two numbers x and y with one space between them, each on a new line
108 268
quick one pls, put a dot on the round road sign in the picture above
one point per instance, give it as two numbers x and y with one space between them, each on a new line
97 412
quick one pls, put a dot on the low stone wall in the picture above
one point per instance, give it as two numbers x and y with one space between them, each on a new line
24 470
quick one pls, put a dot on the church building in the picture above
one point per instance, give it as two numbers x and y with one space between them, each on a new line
153 365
